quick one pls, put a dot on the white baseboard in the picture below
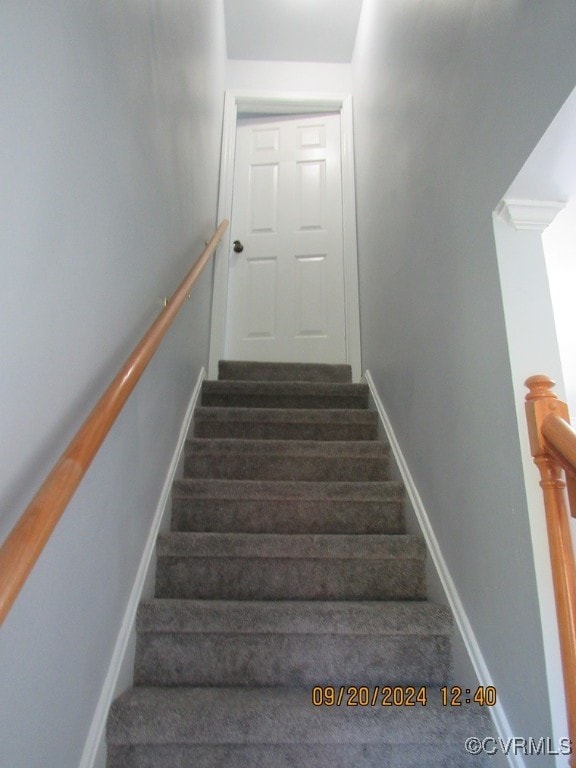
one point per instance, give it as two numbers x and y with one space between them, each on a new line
94 748
499 718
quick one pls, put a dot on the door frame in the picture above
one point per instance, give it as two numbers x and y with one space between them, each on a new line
279 103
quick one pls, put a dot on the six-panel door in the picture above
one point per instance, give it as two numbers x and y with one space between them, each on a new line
286 287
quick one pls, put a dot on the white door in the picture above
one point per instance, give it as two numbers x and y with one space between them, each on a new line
286 287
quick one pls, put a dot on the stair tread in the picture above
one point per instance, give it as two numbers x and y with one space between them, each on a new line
281 715
384 490
315 546
298 460
286 423
276 506
379 490
284 394
290 616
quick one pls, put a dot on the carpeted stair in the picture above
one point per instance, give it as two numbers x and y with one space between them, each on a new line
287 567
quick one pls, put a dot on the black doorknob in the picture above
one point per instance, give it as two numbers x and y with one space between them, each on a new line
238 247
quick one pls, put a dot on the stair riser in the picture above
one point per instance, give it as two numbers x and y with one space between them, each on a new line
289 516
233 370
293 756
286 716
290 659
304 468
246 578
288 431
274 490
271 400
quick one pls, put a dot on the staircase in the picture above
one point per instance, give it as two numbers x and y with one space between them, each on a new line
288 569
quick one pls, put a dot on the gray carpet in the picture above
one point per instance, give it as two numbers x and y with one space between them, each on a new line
288 567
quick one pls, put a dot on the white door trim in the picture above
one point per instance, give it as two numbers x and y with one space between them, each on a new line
236 102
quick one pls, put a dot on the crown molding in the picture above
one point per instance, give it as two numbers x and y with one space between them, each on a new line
533 215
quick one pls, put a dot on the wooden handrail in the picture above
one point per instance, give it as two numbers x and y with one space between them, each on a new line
553 447
27 539
561 441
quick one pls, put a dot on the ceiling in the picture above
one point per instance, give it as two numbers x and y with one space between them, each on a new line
550 171
292 30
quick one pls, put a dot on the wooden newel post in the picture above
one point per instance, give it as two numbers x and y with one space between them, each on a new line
541 403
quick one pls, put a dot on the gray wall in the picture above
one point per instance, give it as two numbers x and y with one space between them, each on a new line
110 124
450 98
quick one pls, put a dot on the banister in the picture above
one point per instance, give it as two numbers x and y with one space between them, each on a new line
553 447
561 439
27 539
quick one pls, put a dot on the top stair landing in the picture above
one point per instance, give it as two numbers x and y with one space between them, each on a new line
238 370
